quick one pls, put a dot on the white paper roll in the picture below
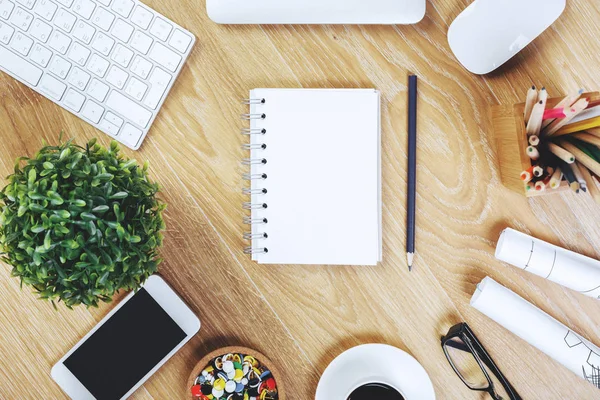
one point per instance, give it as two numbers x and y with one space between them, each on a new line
538 329
564 267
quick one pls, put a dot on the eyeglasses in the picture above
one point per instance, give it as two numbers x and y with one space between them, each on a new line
473 364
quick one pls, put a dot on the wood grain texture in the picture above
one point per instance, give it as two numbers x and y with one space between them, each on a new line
302 317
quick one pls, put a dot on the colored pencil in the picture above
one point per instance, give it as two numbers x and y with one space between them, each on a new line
588 138
532 96
594 131
543 97
581 156
535 120
572 112
533 153
534 140
594 103
527 175
412 170
588 113
561 153
591 183
554 113
538 171
565 103
579 126
556 178
569 176
579 176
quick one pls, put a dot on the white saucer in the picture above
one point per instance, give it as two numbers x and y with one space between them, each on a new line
375 363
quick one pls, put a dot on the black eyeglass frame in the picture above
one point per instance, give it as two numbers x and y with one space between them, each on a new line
474 346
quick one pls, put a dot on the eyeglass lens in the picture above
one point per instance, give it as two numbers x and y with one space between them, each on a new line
468 368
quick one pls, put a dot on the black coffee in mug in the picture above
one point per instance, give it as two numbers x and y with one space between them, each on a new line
375 391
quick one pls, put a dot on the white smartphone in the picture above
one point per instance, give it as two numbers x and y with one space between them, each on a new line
130 344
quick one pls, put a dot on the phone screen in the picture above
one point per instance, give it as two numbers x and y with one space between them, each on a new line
125 348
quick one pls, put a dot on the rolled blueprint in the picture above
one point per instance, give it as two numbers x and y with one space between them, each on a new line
554 263
538 329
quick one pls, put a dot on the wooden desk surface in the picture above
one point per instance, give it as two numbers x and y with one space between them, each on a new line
302 317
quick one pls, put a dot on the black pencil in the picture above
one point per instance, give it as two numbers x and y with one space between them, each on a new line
412 170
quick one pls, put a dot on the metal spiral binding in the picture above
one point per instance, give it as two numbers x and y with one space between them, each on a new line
255 236
252 177
249 191
254 221
248 117
253 101
254 206
257 146
259 250
252 161
249 131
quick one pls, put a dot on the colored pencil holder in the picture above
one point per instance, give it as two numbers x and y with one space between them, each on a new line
510 136
239 350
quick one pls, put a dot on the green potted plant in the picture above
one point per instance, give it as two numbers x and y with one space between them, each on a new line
80 223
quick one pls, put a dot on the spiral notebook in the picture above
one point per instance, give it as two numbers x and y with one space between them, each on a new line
314 176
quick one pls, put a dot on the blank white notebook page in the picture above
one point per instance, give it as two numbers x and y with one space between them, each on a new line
323 181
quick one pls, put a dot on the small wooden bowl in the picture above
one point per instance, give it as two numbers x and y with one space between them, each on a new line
236 349
511 143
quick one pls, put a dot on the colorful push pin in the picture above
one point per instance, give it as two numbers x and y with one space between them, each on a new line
230 386
197 391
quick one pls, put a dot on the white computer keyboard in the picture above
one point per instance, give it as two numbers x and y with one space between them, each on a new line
110 62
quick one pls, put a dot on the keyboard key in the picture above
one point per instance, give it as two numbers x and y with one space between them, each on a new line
6 7
65 20
84 32
130 135
98 65
122 30
141 17
108 128
27 3
40 30
60 67
21 19
114 119
98 90
117 77
66 3
45 9
141 67
6 32
136 89
141 42
84 8
180 41
52 87
123 7
103 43
21 43
79 78
122 55
79 54
135 113
92 111
103 19
40 55
74 100
19 67
165 57
161 29
159 81
59 42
